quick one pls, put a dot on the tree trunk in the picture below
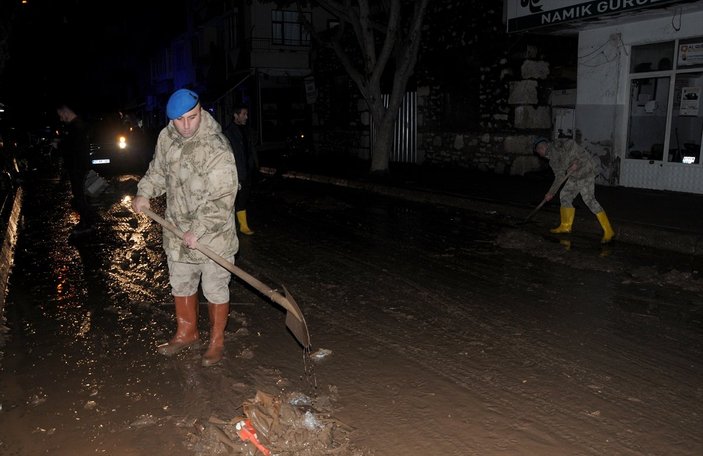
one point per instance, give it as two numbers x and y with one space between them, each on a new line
382 144
399 44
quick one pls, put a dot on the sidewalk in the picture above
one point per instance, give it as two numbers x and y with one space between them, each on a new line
651 218
10 211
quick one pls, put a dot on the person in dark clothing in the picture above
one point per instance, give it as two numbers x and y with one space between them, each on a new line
75 150
247 161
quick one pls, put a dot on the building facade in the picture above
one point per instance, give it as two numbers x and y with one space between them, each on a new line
639 82
621 77
237 51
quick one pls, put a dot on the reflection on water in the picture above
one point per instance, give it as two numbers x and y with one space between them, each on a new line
85 325
75 286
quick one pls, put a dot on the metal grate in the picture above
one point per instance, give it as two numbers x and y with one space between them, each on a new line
404 132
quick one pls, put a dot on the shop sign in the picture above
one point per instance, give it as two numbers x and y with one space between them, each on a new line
690 54
529 14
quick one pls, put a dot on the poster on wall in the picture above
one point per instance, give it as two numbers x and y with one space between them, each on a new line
690 101
310 90
690 54
563 122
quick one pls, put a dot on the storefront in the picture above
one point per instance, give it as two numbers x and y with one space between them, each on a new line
639 85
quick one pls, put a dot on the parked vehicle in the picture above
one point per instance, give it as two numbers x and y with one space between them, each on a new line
118 146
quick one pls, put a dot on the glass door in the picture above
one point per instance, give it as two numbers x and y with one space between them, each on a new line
649 100
686 119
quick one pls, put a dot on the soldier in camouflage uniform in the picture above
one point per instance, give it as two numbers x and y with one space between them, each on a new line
194 166
565 156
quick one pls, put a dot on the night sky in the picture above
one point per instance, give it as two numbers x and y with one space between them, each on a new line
89 53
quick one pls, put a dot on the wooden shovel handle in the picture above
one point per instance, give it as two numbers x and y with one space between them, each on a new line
248 278
539 206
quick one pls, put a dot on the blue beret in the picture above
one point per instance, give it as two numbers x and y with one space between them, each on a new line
182 101
538 140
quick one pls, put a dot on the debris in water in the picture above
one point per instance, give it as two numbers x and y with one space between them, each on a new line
280 427
247 433
37 399
246 354
299 399
143 421
310 421
320 354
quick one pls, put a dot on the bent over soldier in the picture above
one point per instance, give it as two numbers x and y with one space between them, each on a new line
194 166
567 157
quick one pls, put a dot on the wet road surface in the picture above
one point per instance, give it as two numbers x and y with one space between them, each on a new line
450 332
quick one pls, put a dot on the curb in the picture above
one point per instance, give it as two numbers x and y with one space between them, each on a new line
10 220
632 233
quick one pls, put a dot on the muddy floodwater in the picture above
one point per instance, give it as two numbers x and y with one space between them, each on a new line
434 331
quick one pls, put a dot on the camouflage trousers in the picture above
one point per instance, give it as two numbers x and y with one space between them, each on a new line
214 279
586 187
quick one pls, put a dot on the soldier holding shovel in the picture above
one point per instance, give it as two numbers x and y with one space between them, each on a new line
567 157
194 166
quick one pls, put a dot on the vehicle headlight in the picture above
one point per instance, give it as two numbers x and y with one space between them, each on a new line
122 142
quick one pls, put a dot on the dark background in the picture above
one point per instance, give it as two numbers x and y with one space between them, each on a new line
91 54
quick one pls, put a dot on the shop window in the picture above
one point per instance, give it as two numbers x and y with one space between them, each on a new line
666 118
648 105
686 119
652 57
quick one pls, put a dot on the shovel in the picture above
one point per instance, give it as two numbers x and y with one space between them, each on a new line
295 321
539 206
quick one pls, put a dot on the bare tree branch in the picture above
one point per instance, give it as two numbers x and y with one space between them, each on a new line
390 41
414 33
336 9
355 74
346 12
366 37
398 43
334 44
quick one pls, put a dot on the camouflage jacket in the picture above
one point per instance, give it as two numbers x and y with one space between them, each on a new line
199 177
562 154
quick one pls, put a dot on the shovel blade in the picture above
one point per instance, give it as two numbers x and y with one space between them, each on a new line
294 317
295 321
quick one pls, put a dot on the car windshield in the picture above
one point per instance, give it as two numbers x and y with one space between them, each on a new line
106 128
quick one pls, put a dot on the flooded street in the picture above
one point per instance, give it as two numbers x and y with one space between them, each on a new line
440 332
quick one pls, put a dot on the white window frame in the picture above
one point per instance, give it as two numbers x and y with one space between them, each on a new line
671 74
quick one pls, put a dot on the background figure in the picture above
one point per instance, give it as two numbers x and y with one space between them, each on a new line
75 150
565 156
247 161
194 166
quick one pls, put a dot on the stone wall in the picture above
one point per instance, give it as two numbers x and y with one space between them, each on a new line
494 152
482 95
509 79
514 94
